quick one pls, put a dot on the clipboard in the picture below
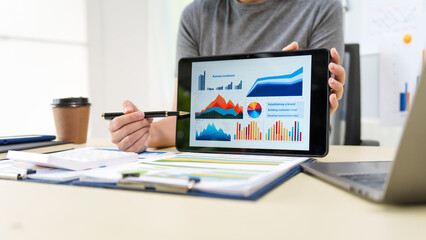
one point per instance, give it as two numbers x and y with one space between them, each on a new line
190 192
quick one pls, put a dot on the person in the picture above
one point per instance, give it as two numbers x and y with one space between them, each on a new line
214 27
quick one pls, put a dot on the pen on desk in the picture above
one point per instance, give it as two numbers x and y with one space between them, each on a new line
11 176
154 114
15 173
132 180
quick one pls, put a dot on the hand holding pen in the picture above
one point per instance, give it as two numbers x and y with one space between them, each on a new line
132 132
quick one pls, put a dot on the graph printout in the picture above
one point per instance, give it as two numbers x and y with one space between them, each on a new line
261 103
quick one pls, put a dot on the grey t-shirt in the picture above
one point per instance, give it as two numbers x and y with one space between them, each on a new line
214 27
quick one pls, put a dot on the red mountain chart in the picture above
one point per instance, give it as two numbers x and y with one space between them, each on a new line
220 109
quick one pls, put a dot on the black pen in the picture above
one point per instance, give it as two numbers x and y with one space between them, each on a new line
154 114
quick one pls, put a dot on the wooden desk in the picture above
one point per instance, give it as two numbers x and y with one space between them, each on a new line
300 208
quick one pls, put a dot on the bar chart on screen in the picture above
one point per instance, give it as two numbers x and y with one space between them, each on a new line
278 132
250 132
229 85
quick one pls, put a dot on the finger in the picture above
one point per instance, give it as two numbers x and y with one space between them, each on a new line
335 57
338 71
333 103
121 121
140 145
131 139
119 135
129 107
336 87
291 47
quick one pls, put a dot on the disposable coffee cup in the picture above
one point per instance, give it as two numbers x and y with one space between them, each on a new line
71 119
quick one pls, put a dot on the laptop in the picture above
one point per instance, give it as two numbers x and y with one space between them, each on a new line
401 181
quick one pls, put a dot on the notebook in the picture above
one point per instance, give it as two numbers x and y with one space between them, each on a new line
402 181
76 159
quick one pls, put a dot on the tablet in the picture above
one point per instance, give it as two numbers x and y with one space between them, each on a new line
260 103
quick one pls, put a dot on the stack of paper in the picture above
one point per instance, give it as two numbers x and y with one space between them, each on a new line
8 167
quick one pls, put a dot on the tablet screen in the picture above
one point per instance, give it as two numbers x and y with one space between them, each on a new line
275 102
252 103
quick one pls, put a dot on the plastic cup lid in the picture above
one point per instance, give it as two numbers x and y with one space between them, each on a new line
70 102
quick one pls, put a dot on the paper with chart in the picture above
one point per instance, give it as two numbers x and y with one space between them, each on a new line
400 70
218 173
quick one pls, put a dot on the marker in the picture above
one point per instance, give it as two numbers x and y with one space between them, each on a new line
155 114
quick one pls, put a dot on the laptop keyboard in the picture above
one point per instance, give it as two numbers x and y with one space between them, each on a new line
375 181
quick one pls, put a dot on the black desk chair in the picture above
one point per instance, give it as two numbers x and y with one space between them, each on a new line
346 122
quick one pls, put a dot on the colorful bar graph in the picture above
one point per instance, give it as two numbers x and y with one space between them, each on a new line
279 133
251 132
404 103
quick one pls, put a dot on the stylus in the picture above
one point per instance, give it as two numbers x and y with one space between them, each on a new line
154 114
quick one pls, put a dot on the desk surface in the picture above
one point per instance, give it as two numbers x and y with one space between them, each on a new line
303 207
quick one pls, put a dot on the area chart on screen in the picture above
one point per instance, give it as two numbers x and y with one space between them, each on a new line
278 86
211 133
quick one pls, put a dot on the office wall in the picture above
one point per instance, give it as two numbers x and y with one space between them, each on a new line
43 55
131 55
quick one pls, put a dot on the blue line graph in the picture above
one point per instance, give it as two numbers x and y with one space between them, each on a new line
278 86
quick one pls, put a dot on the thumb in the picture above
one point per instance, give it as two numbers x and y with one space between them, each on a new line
129 107
291 47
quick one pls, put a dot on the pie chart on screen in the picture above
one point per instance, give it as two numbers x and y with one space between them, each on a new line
254 109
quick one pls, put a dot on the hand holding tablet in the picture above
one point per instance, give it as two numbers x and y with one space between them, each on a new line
275 102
